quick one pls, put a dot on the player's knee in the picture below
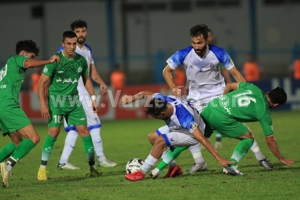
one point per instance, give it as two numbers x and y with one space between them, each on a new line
35 139
152 137
160 141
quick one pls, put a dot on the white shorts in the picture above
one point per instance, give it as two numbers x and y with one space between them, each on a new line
177 138
200 104
93 120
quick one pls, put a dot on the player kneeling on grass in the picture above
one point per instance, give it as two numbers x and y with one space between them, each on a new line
186 128
246 103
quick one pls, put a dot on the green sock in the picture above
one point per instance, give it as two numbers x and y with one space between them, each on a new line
7 150
47 149
241 149
23 148
170 156
89 149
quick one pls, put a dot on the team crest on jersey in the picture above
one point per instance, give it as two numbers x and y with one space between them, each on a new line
79 69
45 69
193 126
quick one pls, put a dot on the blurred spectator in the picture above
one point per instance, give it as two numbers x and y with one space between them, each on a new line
295 68
117 78
224 71
34 79
179 76
252 70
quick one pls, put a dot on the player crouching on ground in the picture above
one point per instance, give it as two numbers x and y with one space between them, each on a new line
185 129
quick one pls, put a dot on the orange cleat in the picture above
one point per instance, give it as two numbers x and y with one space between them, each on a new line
136 176
173 172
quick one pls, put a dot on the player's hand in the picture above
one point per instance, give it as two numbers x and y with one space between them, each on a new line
287 161
54 58
126 99
45 112
103 89
224 162
177 91
94 106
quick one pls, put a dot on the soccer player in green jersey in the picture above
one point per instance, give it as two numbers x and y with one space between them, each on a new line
63 100
13 120
246 103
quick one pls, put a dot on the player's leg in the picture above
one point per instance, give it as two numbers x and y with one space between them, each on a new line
15 119
218 143
76 117
70 142
94 126
260 157
8 149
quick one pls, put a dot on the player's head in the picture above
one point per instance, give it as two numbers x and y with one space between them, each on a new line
210 36
27 48
69 41
276 97
80 28
199 34
157 109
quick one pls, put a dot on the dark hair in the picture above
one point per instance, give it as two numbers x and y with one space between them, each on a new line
78 24
156 106
68 34
200 29
28 46
277 95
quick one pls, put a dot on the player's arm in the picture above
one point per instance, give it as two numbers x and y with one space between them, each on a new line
167 73
43 81
30 63
126 99
266 124
97 78
205 142
230 87
225 74
238 77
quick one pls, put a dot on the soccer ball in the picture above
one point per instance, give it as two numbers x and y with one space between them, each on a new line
134 165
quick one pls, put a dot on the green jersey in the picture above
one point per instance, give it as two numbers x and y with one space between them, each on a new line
11 78
247 104
64 76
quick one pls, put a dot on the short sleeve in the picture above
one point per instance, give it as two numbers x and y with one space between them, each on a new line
266 124
222 56
186 119
85 69
242 85
49 69
20 61
178 58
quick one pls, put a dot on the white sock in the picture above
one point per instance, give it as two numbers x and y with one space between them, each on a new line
97 142
256 150
69 146
149 162
196 152
163 157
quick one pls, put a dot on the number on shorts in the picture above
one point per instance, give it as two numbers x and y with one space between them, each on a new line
57 118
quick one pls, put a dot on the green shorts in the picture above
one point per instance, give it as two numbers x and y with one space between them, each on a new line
226 126
12 117
74 114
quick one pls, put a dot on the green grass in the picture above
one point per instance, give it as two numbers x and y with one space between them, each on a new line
127 139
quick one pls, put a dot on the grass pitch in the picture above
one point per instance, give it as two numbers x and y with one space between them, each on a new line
127 139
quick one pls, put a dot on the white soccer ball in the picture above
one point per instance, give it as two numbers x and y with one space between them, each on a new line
134 165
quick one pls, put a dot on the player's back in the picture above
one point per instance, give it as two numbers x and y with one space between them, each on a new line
11 77
247 104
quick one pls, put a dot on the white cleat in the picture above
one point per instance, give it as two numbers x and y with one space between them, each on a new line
107 163
66 166
233 171
155 173
197 167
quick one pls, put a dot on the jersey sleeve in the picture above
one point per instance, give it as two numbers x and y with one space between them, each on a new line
91 59
49 69
20 60
243 85
266 124
186 119
222 56
178 58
